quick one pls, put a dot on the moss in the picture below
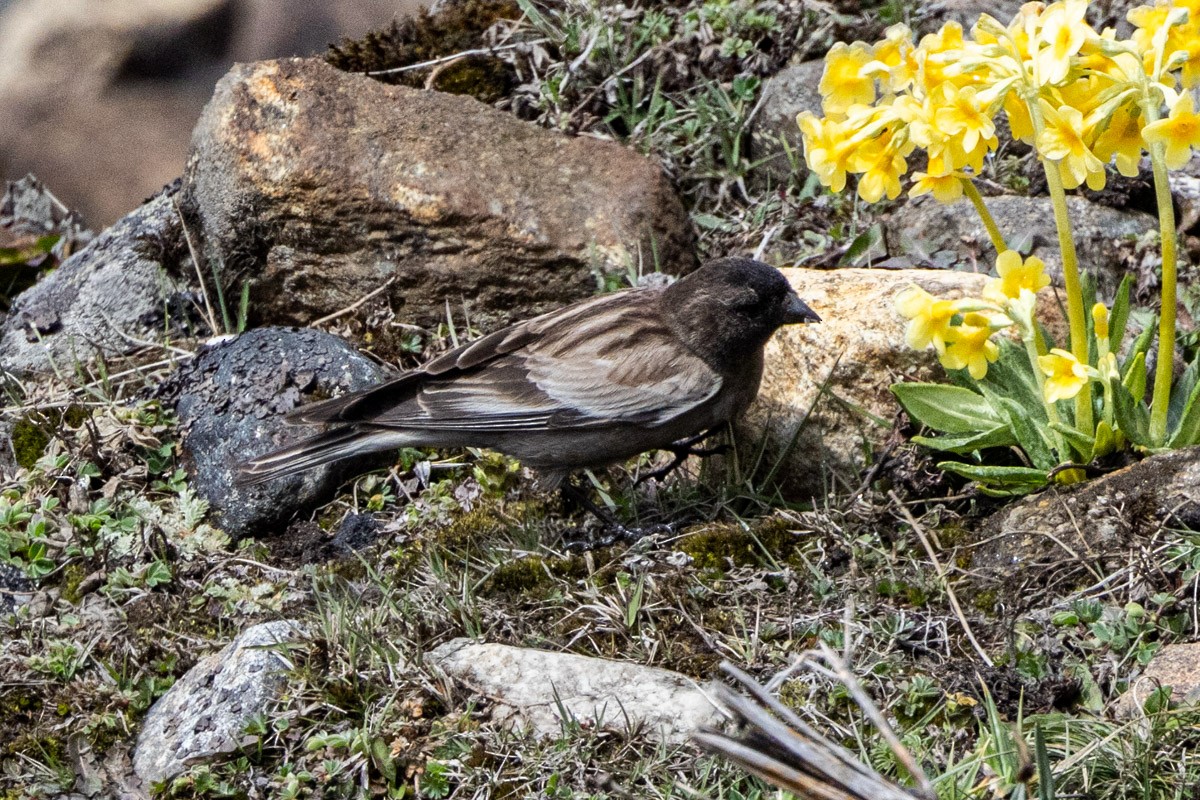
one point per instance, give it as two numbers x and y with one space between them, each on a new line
482 77
29 439
985 601
72 576
533 575
719 546
425 37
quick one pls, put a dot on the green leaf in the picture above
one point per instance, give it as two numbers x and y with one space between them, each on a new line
1141 346
1131 416
859 251
1135 377
1045 772
1012 477
967 443
1181 394
1084 445
1118 318
948 409
1031 436
1106 440
1188 432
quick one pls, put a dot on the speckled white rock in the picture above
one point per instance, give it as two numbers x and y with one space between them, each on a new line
530 686
855 353
205 712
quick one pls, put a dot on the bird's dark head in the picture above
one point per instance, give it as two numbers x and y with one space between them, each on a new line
730 307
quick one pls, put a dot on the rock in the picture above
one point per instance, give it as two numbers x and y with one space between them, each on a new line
952 235
930 16
785 96
856 353
108 298
321 186
1093 521
230 400
15 589
1177 666
86 83
531 687
204 714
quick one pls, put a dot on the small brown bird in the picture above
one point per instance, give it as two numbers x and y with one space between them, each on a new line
585 386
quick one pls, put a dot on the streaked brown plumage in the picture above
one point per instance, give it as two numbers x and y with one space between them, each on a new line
585 386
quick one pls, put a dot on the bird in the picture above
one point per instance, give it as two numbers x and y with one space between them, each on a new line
588 385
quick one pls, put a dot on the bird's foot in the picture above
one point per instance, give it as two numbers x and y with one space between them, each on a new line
681 451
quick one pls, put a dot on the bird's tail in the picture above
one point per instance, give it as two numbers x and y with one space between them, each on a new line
323 448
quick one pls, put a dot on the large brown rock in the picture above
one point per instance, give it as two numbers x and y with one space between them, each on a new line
826 386
319 186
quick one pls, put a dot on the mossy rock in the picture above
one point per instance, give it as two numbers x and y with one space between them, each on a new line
31 434
719 546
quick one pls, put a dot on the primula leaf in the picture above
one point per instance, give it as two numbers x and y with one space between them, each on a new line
1135 378
1181 394
1132 417
1019 479
1083 444
1106 440
948 409
1141 346
1188 432
967 443
1119 317
1029 433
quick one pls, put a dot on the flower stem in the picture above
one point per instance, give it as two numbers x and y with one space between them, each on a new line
1075 310
989 221
1164 371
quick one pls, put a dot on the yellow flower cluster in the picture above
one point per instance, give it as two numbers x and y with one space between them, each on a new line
1079 96
961 330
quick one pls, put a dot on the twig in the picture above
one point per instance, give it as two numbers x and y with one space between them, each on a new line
941 571
433 62
843 674
187 237
355 305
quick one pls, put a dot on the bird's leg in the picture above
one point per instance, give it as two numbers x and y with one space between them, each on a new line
573 494
682 449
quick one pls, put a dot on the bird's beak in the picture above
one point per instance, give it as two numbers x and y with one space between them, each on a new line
796 310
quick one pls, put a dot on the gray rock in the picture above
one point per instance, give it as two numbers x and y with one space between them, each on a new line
321 186
15 589
107 298
230 400
1094 521
929 16
1177 666
531 688
937 235
785 96
204 713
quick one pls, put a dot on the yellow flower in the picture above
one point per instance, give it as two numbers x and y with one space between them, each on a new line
843 84
935 53
1147 20
930 318
961 114
971 346
1016 275
1065 375
1063 33
896 62
1018 117
1180 132
1121 137
826 149
1062 141
881 166
944 188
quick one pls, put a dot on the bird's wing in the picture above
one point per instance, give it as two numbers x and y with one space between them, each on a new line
593 364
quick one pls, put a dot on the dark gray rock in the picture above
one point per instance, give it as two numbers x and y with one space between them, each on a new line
205 712
107 298
937 235
230 400
785 96
15 589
